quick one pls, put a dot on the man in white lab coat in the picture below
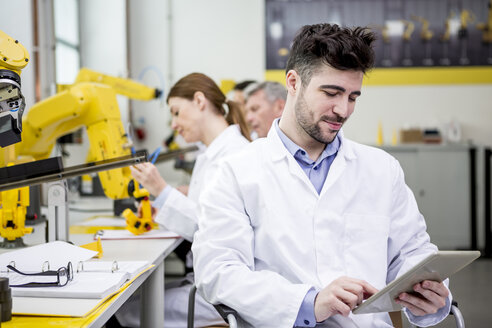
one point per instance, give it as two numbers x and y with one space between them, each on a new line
301 226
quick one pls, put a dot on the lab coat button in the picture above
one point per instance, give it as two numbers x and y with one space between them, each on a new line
306 322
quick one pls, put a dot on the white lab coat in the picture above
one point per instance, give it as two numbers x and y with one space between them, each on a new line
266 237
180 214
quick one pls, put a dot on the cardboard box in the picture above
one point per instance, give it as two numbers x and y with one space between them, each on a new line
411 136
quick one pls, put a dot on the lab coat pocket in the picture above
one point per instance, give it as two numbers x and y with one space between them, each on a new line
366 247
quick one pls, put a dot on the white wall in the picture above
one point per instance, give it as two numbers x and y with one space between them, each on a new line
103 45
150 44
17 22
221 38
422 106
103 48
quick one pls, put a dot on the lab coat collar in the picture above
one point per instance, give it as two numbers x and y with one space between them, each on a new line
278 150
221 140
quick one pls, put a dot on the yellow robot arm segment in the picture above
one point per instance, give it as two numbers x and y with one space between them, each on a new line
125 87
86 104
425 33
466 17
135 224
13 55
486 28
384 31
13 213
447 27
409 27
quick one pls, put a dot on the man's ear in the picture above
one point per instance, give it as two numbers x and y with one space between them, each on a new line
199 99
293 82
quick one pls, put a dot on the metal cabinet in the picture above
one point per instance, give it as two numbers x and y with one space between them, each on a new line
441 178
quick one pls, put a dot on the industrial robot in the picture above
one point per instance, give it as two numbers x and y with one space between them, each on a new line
407 38
13 58
91 103
426 36
466 16
445 40
486 29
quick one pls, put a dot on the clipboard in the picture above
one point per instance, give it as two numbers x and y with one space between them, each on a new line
125 234
437 267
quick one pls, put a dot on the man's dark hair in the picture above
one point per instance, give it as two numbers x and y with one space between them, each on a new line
339 47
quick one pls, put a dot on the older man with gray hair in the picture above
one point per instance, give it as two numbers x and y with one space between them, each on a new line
264 103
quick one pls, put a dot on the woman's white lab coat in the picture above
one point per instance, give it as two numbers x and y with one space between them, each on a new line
180 213
266 237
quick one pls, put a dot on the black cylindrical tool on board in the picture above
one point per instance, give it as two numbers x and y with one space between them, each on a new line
5 300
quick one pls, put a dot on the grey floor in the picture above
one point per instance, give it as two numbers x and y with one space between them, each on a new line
472 289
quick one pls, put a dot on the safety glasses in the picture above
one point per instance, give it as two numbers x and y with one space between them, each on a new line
49 278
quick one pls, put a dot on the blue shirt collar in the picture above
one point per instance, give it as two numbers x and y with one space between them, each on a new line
299 153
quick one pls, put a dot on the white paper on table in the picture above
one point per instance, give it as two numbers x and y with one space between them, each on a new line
18 279
125 234
83 285
104 222
132 267
56 253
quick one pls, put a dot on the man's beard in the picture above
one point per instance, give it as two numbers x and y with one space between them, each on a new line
305 120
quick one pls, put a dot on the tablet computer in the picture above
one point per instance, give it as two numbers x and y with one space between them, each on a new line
437 267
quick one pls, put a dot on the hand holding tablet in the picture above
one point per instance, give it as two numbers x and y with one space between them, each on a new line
436 267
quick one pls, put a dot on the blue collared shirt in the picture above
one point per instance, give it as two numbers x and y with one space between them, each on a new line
316 172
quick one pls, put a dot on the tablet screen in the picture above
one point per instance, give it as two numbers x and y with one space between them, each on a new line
437 267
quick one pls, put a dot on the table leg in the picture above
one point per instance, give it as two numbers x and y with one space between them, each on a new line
152 305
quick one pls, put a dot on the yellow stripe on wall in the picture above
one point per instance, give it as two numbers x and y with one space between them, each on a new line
276 75
413 76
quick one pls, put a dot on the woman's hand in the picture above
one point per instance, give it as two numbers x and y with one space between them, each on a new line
148 176
153 210
183 189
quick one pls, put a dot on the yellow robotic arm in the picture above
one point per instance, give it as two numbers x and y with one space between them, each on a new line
425 33
447 27
409 27
85 104
13 58
466 16
124 87
91 105
486 28
384 31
